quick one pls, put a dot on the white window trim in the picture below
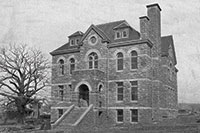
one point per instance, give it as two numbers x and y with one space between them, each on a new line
127 33
71 42
117 101
120 33
131 62
117 116
131 117
133 101
116 62
69 63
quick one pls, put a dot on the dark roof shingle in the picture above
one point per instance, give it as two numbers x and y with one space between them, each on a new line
166 41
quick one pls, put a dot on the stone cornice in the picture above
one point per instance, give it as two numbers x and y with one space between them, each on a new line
132 42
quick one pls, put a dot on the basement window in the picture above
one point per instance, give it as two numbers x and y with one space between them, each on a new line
60 112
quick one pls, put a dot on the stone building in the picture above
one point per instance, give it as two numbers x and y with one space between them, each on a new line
115 75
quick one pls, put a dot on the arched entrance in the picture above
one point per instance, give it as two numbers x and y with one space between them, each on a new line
84 93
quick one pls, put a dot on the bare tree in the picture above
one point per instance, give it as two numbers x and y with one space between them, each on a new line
23 72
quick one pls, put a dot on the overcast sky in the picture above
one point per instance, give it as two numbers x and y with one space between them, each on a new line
47 23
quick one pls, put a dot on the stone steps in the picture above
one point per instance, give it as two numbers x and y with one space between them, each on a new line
73 116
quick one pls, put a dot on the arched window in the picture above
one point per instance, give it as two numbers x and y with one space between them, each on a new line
61 66
93 60
134 60
72 65
120 61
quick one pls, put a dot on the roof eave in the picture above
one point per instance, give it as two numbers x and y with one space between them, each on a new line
131 42
66 51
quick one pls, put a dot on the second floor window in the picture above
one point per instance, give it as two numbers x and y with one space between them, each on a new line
61 67
120 91
134 60
134 90
72 65
120 61
93 60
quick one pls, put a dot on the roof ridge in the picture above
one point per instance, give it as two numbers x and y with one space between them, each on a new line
111 22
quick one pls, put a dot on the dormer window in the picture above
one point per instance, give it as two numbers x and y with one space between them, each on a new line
125 34
77 41
72 42
117 35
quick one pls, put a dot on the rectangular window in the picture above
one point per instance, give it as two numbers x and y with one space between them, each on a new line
134 90
120 64
77 41
117 35
90 64
124 34
61 92
72 42
134 62
72 67
60 112
134 115
120 115
120 91
96 64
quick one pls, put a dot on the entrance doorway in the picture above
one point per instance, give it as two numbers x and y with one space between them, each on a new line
84 93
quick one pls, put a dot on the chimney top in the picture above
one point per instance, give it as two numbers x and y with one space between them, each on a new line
142 17
152 5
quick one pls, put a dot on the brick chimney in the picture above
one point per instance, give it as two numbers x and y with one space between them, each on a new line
153 13
144 27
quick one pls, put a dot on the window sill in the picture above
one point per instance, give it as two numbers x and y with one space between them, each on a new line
119 101
119 70
119 122
134 122
61 75
134 101
134 70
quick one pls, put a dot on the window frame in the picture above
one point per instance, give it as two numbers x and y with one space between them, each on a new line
61 67
61 92
119 116
72 65
134 84
136 116
133 58
127 33
118 60
120 85
93 61
60 112
72 42
116 35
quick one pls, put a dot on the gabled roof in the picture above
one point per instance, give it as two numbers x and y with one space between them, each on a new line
166 41
98 31
78 33
108 29
105 31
